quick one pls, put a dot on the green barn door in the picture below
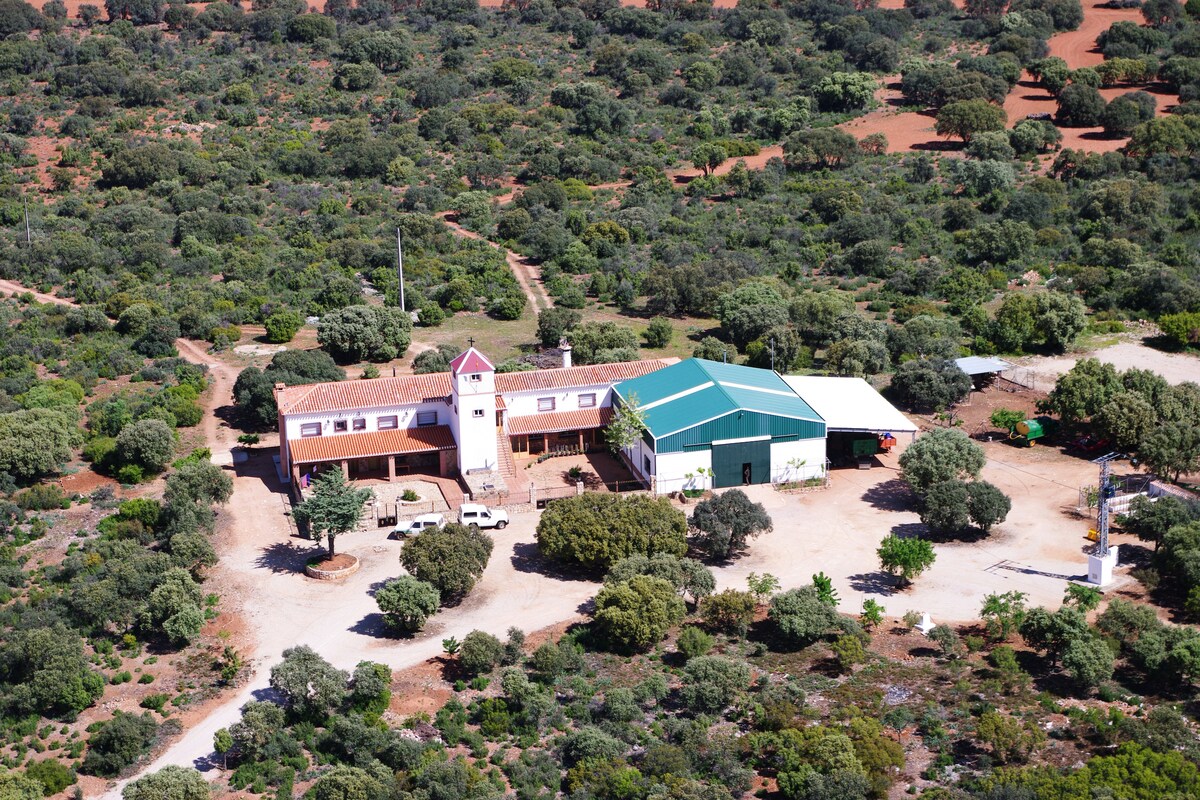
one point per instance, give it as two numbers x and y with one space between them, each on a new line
734 463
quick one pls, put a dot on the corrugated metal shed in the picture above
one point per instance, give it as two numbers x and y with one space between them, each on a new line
849 404
696 402
977 365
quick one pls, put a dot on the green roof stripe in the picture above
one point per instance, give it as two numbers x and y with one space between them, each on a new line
676 398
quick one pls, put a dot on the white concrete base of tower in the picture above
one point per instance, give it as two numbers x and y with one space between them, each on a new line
1100 568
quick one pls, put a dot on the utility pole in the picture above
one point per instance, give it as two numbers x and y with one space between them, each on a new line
28 238
400 266
772 341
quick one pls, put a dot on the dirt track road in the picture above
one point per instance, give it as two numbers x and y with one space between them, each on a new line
526 274
13 286
217 433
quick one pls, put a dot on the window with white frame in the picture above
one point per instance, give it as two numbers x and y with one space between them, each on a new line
310 429
340 425
587 400
476 377
386 423
545 404
360 424
477 413
426 418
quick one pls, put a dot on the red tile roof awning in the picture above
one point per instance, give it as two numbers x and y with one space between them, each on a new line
369 445
559 421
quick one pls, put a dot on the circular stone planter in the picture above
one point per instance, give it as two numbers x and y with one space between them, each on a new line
323 571
420 499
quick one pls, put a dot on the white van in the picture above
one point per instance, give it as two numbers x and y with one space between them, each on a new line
480 516
411 527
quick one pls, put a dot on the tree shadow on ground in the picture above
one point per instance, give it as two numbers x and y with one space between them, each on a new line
281 557
969 535
939 146
527 558
911 530
1134 555
373 625
269 695
891 495
878 582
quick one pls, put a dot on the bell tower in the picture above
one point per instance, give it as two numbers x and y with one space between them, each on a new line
473 382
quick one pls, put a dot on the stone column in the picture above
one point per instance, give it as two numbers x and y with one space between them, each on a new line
391 461
345 469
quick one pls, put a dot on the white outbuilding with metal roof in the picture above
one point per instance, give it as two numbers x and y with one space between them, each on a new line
849 404
859 422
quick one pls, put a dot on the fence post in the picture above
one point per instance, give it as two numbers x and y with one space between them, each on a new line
578 488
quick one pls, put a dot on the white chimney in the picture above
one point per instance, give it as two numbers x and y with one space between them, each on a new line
565 347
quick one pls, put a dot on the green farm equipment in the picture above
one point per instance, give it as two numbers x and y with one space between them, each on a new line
1031 430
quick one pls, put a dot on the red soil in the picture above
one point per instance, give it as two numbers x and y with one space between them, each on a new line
1078 47
630 3
45 148
894 5
908 131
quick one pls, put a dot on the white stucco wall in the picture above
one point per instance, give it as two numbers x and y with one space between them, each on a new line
672 470
809 451
476 436
406 417
522 404
669 470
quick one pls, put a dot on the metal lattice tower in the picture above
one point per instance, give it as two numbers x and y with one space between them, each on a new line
1107 491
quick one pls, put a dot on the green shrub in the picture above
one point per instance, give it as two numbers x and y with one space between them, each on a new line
131 474
43 497
693 642
51 774
480 652
155 702
117 744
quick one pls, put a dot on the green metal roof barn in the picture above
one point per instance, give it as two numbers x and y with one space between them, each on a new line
737 416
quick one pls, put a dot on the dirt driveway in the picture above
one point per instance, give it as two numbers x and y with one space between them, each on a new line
260 572
835 531
1175 367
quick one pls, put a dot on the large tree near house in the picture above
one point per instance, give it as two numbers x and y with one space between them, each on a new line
333 509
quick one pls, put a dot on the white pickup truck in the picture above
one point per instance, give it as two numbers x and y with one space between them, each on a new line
411 527
480 516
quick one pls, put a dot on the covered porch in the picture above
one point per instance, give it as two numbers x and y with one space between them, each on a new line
379 455
558 433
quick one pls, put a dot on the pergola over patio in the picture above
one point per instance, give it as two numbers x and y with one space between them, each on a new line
538 433
377 451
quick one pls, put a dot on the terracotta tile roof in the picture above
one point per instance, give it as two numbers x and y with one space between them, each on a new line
559 421
565 378
500 406
411 389
369 393
369 445
471 360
